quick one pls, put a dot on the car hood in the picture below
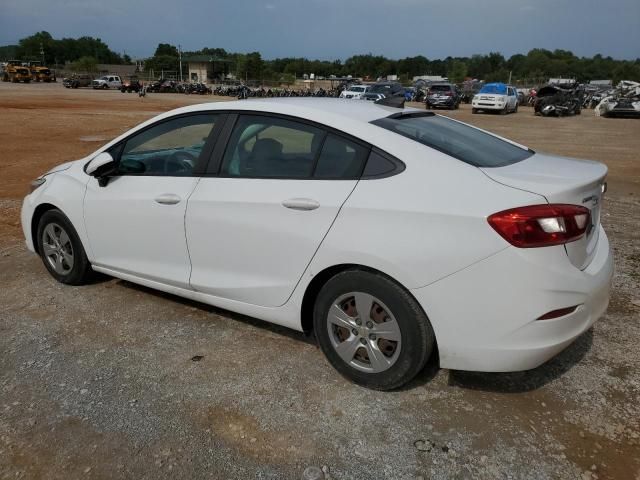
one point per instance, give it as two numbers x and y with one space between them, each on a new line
60 168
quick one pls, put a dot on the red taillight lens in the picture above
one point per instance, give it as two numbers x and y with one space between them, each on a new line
541 225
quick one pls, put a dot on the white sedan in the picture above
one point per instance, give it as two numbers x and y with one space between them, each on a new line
394 235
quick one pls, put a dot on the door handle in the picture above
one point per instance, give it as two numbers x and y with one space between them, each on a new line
168 199
300 204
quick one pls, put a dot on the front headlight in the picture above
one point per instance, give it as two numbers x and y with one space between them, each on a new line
36 183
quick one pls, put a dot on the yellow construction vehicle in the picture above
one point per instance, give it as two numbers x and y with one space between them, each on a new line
39 73
13 71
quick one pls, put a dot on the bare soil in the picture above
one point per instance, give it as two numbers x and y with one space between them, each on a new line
102 381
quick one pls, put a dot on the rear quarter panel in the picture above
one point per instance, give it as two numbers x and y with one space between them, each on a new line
420 225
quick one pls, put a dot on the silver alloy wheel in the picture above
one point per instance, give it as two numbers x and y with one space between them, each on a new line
364 332
57 248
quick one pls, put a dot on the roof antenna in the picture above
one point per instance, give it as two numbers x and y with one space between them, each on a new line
395 102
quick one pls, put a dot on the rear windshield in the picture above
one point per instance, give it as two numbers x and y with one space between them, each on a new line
380 88
456 139
356 89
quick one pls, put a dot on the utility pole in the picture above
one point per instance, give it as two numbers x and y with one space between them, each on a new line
180 60
42 53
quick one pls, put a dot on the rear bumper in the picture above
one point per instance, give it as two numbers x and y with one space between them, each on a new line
449 102
484 316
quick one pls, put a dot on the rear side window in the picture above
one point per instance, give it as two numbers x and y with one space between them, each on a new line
458 140
271 147
340 158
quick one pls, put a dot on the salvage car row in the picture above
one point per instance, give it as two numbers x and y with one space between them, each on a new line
554 99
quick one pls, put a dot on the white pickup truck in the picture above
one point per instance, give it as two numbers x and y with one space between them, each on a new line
106 82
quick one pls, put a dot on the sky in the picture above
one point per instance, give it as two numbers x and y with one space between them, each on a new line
337 29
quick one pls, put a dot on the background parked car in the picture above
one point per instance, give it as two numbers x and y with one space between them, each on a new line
443 95
132 84
497 97
106 82
382 90
354 91
76 81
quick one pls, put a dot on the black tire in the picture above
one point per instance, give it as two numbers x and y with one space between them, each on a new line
474 110
505 110
515 110
417 339
81 272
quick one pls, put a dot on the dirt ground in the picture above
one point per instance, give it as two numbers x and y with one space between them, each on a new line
100 381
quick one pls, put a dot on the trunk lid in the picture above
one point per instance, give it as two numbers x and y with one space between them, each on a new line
561 180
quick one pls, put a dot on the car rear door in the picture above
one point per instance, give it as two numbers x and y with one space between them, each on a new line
255 222
135 223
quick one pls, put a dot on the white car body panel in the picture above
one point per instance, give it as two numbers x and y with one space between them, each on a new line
129 231
246 246
424 227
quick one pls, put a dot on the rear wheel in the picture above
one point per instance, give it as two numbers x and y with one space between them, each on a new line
371 330
61 249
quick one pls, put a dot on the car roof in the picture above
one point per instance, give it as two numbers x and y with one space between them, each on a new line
321 110
352 117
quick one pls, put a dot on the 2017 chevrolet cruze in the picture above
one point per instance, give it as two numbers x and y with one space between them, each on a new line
392 234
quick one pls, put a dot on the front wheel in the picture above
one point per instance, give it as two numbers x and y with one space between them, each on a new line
61 249
371 330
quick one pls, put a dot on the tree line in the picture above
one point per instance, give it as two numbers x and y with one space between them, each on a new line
60 51
534 67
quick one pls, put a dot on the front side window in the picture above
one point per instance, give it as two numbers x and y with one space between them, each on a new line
262 146
170 148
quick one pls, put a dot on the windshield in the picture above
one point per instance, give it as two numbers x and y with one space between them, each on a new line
357 89
440 88
495 88
380 88
456 139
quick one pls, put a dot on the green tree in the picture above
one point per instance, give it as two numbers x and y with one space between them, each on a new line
457 71
85 64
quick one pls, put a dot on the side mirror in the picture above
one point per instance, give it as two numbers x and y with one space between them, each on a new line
101 167
95 166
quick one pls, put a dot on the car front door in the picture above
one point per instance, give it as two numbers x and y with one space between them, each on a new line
135 223
254 225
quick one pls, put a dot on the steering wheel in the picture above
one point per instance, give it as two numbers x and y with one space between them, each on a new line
180 162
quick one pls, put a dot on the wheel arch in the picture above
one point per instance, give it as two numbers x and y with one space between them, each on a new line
35 220
315 285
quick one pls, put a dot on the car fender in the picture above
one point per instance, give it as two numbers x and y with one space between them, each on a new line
65 191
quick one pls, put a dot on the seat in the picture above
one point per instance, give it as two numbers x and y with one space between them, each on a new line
265 153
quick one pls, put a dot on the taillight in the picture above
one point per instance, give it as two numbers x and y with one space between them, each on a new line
541 225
